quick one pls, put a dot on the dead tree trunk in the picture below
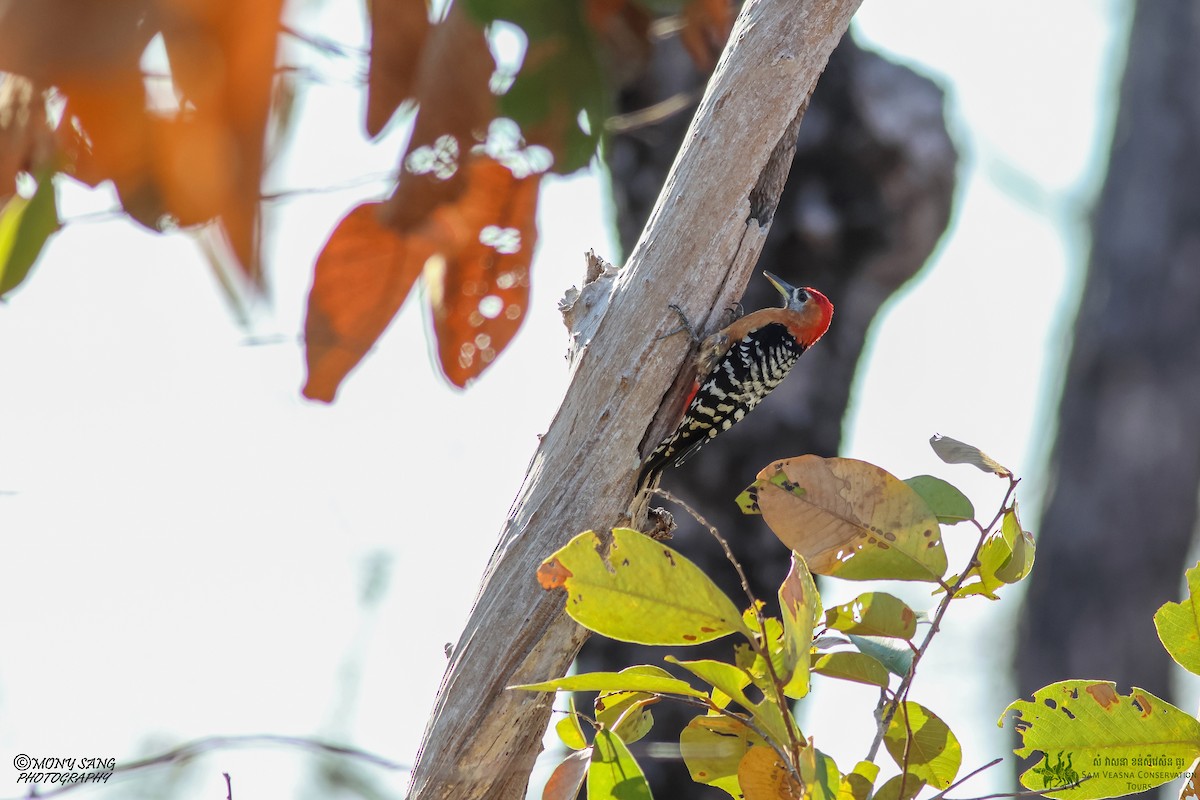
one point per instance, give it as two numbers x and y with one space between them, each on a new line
698 249
868 197
1124 473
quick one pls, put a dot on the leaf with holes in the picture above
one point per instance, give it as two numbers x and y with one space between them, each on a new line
479 291
921 744
849 519
1085 729
362 276
638 590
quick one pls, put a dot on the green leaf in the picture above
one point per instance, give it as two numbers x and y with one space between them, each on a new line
627 713
614 774
856 667
729 680
820 775
25 225
1120 743
892 653
849 519
921 744
900 787
952 451
801 606
1178 625
858 783
569 730
874 614
560 81
1006 557
643 591
614 682
713 747
948 504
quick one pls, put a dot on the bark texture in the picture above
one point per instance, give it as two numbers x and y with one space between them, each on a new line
481 739
869 196
1122 506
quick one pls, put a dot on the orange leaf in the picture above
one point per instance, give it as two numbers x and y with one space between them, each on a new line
480 294
398 32
706 27
361 279
762 776
223 63
456 105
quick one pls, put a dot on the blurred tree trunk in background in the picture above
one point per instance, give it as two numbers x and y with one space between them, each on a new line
1122 502
867 200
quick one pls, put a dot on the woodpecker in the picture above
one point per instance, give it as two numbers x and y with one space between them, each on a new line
738 366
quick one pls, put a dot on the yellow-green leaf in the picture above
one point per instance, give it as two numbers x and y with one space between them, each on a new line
614 774
569 730
1178 625
614 682
727 679
849 519
25 225
900 787
856 667
1120 743
874 614
639 591
952 451
858 783
920 743
627 713
800 604
946 502
713 747
819 774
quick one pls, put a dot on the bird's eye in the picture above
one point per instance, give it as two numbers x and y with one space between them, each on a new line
802 296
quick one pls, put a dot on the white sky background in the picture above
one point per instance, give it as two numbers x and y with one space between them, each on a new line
184 541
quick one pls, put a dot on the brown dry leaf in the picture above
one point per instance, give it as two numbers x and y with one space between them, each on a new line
762 776
623 29
398 32
361 279
848 518
223 63
706 27
456 105
568 776
480 293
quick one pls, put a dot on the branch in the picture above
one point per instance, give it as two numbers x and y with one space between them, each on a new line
697 251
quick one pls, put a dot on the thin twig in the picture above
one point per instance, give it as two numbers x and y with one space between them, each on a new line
761 648
935 625
940 795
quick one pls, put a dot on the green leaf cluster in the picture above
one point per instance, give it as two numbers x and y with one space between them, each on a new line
837 517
